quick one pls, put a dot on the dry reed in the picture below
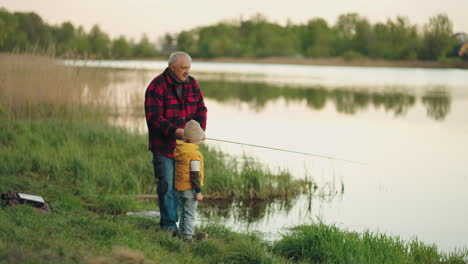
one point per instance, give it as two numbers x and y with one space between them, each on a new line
40 87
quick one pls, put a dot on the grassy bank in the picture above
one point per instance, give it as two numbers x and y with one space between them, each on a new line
78 169
79 236
76 235
320 243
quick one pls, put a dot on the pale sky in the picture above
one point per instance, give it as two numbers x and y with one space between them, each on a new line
132 18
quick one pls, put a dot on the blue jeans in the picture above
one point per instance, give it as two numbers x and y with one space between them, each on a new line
188 208
167 195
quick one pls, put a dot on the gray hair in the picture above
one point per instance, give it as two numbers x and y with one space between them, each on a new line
176 56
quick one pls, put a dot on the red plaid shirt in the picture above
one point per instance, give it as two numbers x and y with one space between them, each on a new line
166 111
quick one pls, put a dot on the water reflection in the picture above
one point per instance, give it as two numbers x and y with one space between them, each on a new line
437 102
123 91
346 101
249 211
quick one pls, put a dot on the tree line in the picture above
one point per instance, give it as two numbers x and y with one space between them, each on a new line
352 36
27 32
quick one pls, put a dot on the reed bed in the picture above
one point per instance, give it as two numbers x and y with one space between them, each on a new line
321 243
40 87
247 179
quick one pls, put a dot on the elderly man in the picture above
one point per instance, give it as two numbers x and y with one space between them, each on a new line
171 99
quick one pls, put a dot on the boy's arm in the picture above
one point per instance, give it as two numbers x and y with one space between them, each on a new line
195 175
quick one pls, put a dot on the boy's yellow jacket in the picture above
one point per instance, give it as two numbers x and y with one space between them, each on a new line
183 154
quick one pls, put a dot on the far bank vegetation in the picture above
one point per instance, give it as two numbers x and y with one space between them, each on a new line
351 37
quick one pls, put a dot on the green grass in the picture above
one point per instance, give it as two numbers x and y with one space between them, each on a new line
247 179
83 237
81 170
320 243
98 160
85 160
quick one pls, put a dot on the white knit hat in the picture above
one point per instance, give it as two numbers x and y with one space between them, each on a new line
194 132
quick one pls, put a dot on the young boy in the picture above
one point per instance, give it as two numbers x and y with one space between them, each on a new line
189 176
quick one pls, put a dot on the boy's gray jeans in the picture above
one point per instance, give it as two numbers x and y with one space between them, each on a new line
188 207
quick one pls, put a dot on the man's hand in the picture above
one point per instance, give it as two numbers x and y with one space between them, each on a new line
179 133
199 196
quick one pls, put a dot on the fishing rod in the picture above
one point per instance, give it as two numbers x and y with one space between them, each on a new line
284 150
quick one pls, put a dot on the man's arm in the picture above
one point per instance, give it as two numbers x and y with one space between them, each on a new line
200 115
154 110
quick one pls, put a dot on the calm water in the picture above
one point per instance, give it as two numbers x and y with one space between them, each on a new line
408 128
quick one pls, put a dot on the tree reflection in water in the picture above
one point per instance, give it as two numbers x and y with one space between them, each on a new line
245 211
437 102
346 100
251 211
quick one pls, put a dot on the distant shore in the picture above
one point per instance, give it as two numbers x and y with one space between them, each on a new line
344 62
320 61
334 62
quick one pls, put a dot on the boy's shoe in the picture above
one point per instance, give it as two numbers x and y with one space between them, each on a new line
201 236
175 233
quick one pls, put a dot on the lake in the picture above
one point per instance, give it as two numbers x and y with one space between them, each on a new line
389 145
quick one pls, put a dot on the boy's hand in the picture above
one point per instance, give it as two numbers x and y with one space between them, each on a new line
199 196
179 133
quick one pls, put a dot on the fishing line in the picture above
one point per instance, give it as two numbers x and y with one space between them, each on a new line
284 150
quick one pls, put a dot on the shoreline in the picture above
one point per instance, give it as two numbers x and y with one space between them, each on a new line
343 62
365 62
338 61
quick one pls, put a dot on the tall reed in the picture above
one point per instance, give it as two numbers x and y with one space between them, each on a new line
40 87
246 178
320 243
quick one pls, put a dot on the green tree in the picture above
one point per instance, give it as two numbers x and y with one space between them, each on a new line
82 44
121 48
394 40
145 48
38 33
99 43
168 44
220 40
353 34
65 38
260 38
32 34
316 39
187 41
8 30
438 38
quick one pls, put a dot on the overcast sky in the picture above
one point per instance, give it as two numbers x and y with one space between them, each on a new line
132 18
